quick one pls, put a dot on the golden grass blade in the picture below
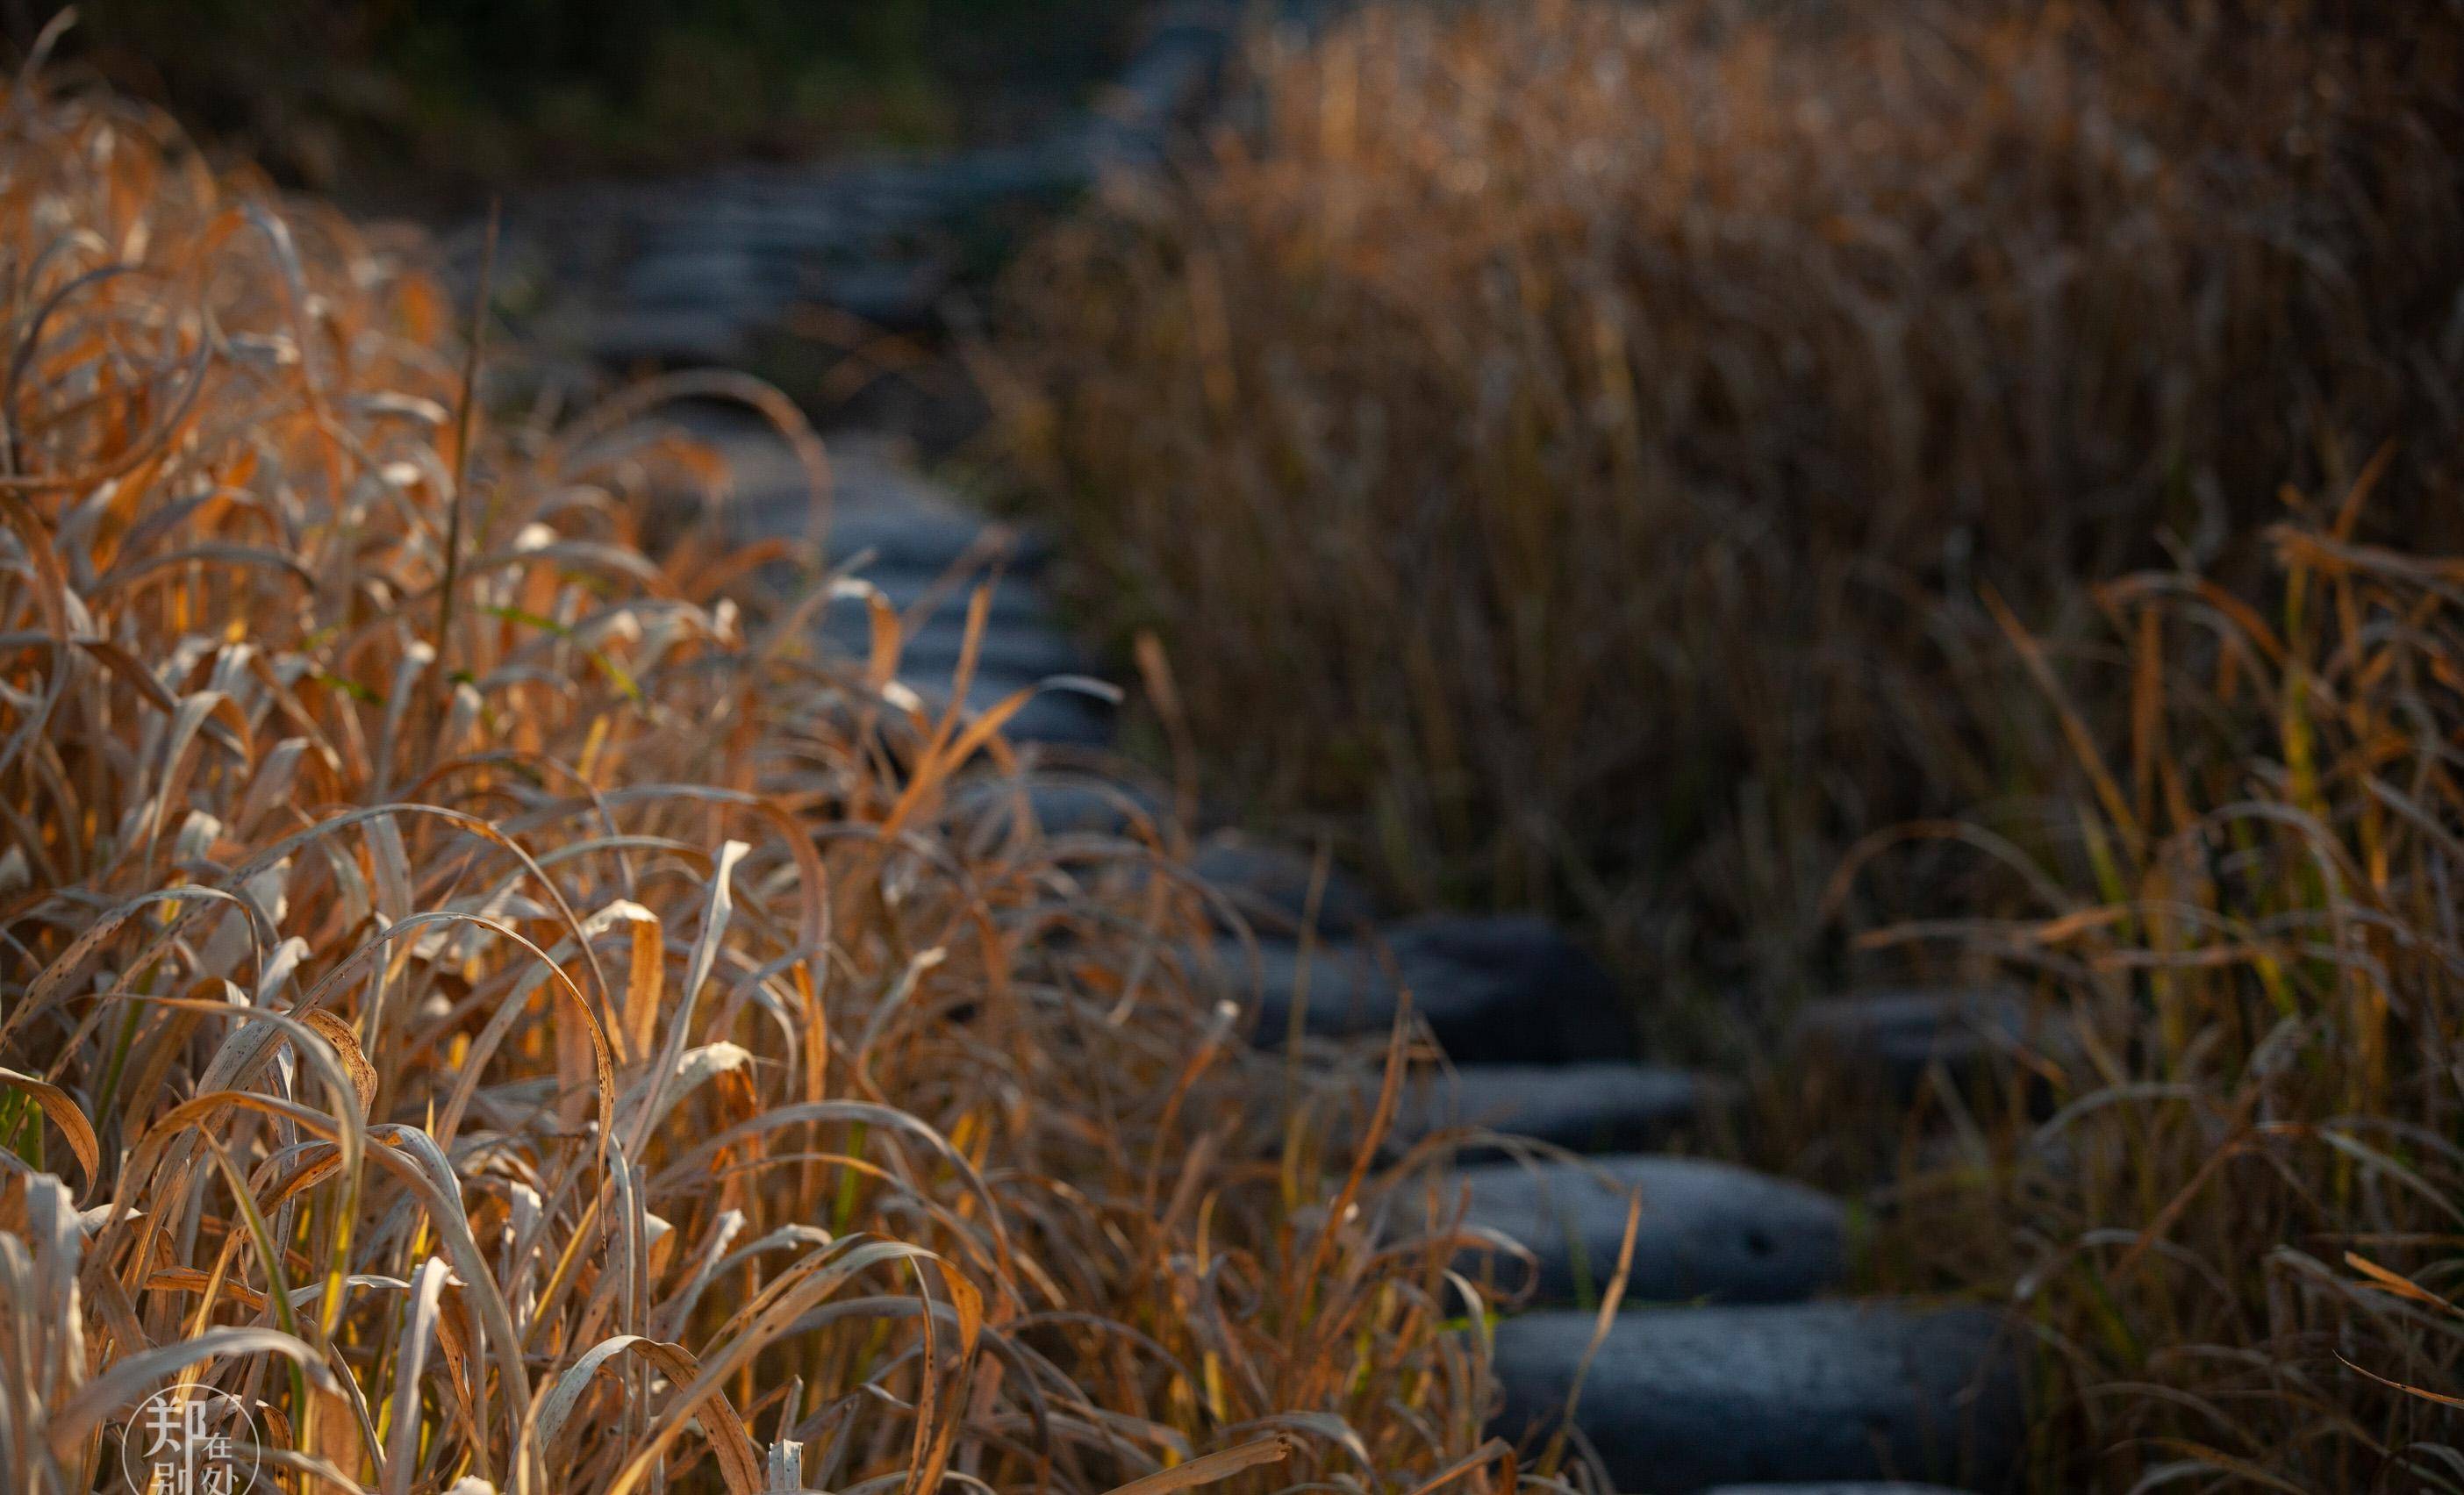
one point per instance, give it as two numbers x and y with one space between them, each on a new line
415 1157
131 1377
1490 1452
346 1047
419 1323
1273 1448
739 1459
2075 729
2439 1397
809 1281
1603 1324
697 967
64 1114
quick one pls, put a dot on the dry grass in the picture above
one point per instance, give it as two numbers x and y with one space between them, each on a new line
1702 465
2240 1227
1580 433
518 1020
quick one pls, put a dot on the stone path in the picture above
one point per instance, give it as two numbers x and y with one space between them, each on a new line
1729 1370
695 270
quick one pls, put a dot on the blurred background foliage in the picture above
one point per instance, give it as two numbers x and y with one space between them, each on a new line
447 98
1571 453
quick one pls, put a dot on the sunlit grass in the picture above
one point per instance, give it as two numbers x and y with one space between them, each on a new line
518 1019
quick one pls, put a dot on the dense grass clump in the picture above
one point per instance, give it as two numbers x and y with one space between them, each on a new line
1584 435
2226 1180
519 1019
1981 475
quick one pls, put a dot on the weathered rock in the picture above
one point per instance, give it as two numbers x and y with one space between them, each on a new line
911 533
713 270
1554 1003
895 294
914 527
913 548
1269 886
1707 1230
1603 1106
1029 650
1900 1032
1683 1399
701 335
1494 990
1059 805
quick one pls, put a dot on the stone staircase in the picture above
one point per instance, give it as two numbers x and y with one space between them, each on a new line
1731 1370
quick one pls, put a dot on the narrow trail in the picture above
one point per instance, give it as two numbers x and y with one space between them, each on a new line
701 270
1734 1366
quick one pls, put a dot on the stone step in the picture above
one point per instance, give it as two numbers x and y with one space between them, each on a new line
1063 718
1597 1106
913 532
906 542
1261 885
878 502
1708 1231
1680 1400
1063 805
1501 989
1056 715
1031 648
684 335
1268 886
1900 1032
709 264
1059 713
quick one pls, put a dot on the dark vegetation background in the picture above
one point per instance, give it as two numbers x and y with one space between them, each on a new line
396 102
1575 451
1850 491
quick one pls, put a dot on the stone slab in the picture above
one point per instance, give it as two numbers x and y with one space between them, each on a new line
1600 1105
1686 1399
1269 886
1504 990
1903 1031
1708 1231
1063 805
